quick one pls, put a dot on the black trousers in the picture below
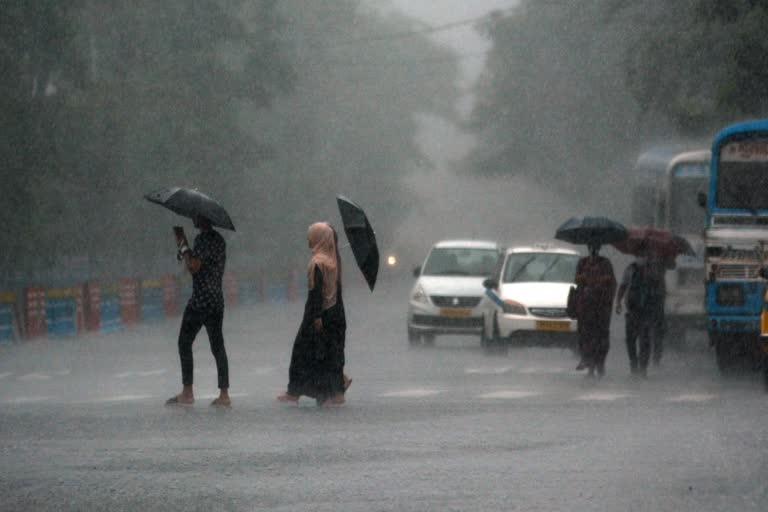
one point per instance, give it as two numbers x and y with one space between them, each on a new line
191 324
645 328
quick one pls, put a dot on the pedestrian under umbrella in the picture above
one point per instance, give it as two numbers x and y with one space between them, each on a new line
317 360
596 285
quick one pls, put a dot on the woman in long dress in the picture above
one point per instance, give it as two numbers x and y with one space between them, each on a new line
595 277
317 360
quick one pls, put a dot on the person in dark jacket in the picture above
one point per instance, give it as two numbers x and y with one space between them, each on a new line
643 286
205 261
317 360
597 283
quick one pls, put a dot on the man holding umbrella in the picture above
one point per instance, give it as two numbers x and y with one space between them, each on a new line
205 262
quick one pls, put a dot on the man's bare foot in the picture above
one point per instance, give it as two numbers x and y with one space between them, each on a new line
288 398
222 401
180 399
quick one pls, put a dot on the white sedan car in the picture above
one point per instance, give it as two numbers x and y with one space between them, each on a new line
526 301
449 289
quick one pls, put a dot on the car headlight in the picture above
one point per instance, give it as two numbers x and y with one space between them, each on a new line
511 307
419 295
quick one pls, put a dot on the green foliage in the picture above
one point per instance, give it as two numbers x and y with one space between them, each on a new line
552 104
574 90
266 105
702 67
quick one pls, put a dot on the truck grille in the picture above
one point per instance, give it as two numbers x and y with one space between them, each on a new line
737 271
451 301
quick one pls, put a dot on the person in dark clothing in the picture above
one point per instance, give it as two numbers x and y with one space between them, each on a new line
317 360
597 283
642 283
205 261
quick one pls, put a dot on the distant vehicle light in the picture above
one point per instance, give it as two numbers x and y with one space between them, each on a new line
391 261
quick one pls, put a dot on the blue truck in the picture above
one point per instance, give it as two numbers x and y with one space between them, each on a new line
735 239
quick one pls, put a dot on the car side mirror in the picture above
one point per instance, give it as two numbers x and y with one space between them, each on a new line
701 198
417 271
490 283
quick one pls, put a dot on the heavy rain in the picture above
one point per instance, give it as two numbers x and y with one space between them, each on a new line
383 255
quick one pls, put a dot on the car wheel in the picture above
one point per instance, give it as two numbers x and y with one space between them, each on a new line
429 340
726 354
414 338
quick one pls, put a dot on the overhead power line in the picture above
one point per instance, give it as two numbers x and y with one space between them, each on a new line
428 30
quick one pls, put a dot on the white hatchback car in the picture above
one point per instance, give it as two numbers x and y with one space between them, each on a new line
526 301
449 289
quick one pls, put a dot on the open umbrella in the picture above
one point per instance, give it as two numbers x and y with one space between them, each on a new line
361 238
591 230
656 242
190 203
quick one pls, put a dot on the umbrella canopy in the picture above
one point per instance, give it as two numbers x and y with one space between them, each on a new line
361 238
591 230
659 243
191 203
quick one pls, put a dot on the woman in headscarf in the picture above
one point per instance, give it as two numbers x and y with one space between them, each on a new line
317 360
597 283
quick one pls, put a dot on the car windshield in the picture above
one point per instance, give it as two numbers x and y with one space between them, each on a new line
540 267
447 261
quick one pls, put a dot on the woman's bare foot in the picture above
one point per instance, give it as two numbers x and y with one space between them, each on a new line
334 401
288 398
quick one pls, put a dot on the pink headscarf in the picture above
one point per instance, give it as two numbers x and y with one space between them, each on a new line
324 256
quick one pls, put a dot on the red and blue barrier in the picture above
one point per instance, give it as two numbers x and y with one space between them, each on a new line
9 326
60 313
152 300
34 313
110 319
251 289
106 307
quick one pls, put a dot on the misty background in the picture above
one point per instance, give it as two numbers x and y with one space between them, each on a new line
489 119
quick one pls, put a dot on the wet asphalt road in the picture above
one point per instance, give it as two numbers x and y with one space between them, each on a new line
82 426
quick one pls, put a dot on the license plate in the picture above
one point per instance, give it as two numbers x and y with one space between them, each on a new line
544 325
455 312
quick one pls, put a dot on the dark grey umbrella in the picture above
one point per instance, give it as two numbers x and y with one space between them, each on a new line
361 238
591 230
190 203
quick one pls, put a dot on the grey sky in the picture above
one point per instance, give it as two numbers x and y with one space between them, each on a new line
464 40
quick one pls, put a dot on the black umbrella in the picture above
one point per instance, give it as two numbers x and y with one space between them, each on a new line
361 238
591 230
191 203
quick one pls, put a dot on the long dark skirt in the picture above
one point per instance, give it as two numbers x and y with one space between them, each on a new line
317 360
594 338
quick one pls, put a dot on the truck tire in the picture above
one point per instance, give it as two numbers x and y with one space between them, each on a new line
724 354
765 372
